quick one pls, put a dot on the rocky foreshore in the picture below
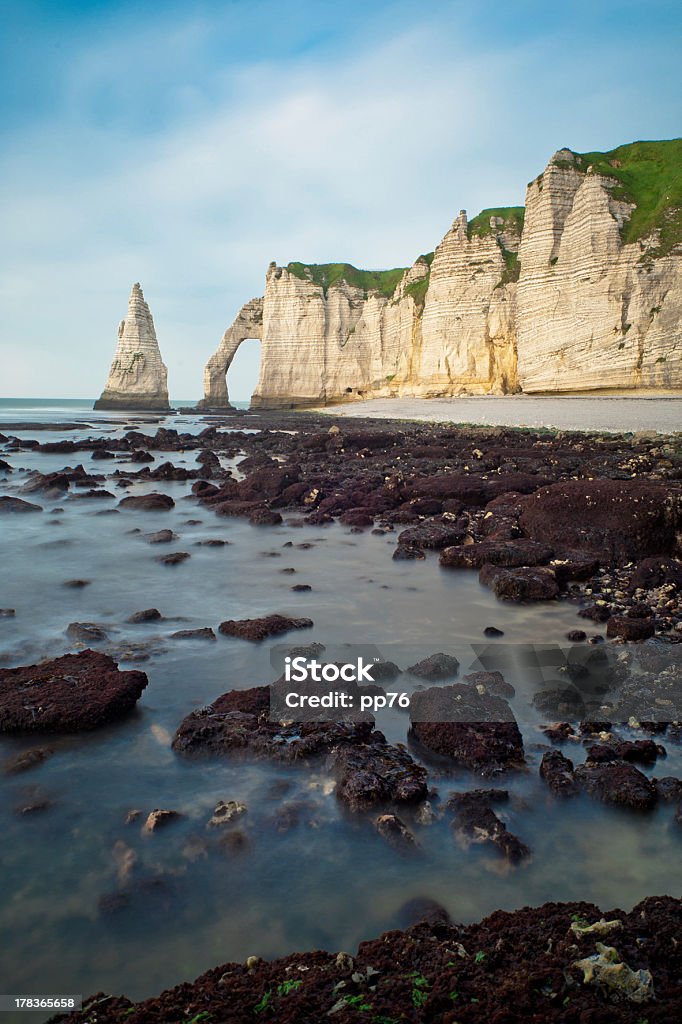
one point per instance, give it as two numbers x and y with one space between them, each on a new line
564 962
591 520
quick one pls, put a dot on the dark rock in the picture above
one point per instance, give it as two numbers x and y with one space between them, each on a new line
636 751
358 517
8 504
7 613
375 773
69 694
476 822
259 629
265 517
630 629
622 519
76 584
491 631
575 565
205 633
301 588
237 725
395 833
86 632
576 636
153 502
433 534
173 559
423 910
476 731
492 682
617 783
656 572
147 615
507 554
669 789
405 553
538 584
599 612
160 537
564 701
26 760
384 671
557 771
436 667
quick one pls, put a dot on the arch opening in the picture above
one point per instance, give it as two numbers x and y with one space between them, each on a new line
243 372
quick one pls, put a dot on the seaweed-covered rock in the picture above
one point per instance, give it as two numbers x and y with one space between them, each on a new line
617 783
473 730
620 519
558 773
74 693
375 773
237 725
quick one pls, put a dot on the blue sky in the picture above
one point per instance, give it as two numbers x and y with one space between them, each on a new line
186 145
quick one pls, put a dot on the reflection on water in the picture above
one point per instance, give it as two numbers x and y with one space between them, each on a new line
327 880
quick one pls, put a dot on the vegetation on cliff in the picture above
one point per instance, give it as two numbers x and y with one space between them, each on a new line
511 216
327 274
649 174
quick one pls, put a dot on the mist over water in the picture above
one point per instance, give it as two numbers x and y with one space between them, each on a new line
327 881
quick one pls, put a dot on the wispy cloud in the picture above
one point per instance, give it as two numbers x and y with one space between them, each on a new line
192 182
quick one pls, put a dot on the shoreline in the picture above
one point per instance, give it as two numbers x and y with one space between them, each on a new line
594 414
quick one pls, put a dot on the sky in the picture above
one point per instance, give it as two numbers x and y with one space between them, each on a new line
186 145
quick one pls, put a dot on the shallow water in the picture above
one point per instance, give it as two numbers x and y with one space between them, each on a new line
328 882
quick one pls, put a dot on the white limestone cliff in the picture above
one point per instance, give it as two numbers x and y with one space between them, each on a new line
563 305
137 378
593 312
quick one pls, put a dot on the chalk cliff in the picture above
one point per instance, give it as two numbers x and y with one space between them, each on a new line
137 378
581 290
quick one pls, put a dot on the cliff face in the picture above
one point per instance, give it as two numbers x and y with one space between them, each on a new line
137 378
593 311
584 293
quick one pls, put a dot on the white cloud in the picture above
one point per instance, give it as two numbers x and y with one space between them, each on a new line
367 158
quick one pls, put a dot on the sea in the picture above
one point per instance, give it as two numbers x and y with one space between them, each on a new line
311 875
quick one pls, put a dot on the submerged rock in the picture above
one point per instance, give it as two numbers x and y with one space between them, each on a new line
476 822
9 505
396 833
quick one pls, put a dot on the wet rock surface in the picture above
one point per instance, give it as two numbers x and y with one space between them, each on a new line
512 966
470 729
74 693
260 629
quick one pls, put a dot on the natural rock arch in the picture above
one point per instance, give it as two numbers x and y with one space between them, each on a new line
247 324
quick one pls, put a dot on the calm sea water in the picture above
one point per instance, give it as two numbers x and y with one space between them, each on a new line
328 881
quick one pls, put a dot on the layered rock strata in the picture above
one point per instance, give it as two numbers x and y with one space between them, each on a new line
567 299
138 377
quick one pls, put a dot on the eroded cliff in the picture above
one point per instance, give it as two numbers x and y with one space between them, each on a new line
138 377
584 292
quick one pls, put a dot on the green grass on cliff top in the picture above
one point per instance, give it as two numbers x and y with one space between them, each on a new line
511 215
327 274
650 175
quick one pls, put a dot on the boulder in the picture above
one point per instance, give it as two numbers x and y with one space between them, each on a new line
619 519
259 629
153 502
473 730
73 693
